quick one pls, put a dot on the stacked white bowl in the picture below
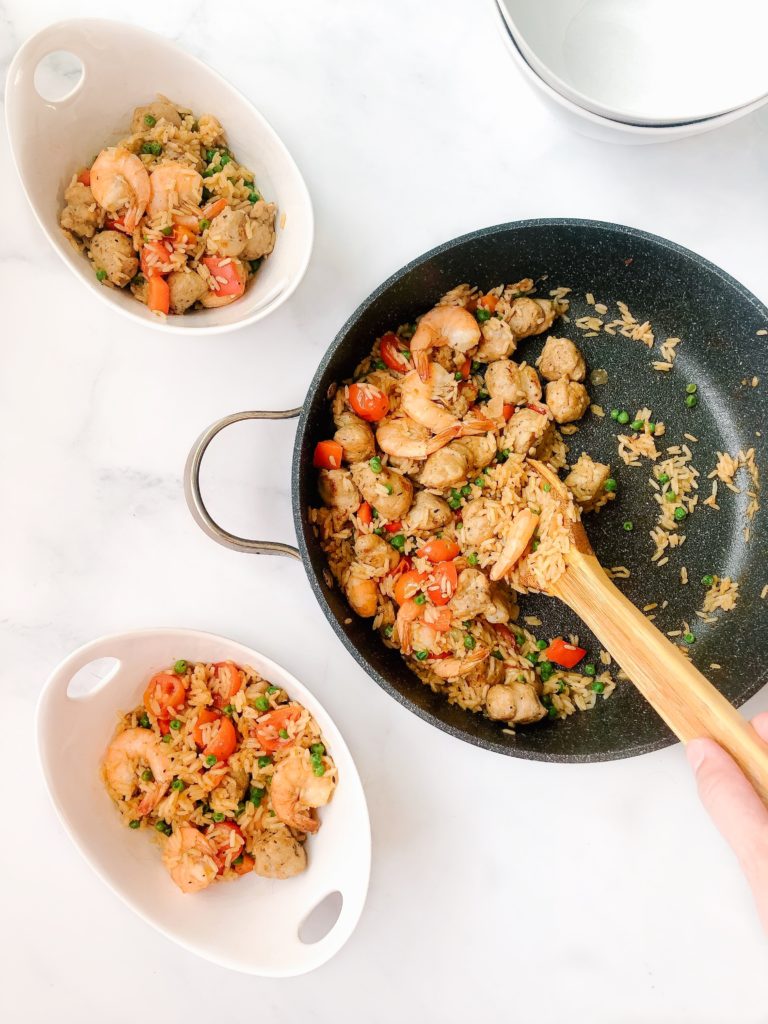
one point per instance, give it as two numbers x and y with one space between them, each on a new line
638 71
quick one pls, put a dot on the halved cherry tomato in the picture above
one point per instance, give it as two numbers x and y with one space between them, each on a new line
155 259
438 618
84 177
408 585
395 527
224 740
489 302
563 653
159 294
446 579
183 235
229 679
228 840
214 208
232 284
164 724
438 550
268 727
404 565
246 864
328 455
393 352
507 410
205 717
368 402
465 368
364 514
165 690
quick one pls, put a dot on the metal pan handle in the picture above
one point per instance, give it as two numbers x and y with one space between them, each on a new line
194 498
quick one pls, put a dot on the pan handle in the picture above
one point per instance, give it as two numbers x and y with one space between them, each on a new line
200 513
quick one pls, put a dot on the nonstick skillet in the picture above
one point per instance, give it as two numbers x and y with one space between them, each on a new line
682 295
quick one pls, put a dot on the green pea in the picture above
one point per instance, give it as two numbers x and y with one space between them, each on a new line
318 768
283 734
679 513
628 525
153 148
597 686
398 541
150 121
388 631
273 689
218 816
542 645
178 785
207 194
204 224
138 281
483 396
180 667
670 496
546 668
615 414
708 580
101 275
167 738
469 642
134 824
497 655
318 749
379 531
533 657
229 709
256 795
455 499
466 491
590 670
610 485
535 545
458 375
652 426
689 638
482 314
237 861
691 401
208 172
240 808
476 367
388 488
226 159
144 721
636 424
479 481
380 364
553 712
211 760
502 455
375 464
691 389
546 488
420 599
163 826
422 655
253 197
166 231
663 478
210 154
147 776
472 558
560 688
261 703
264 761
623 417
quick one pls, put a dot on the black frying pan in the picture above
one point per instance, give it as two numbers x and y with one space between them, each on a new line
682 295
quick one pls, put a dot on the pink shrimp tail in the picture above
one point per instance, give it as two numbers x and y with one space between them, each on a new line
421 362
443 438
477 425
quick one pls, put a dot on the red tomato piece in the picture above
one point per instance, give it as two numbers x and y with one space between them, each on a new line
365 514
155 259
446 578
227 682
395 527
507 410
408 585
439 550
438 618
224 741
232 284
229 842
368 402
205 717
465 368
328 455
246 864
395 353
159 294
84 177
269 726
563 653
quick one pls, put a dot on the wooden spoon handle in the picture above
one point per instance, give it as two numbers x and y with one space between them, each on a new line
689 704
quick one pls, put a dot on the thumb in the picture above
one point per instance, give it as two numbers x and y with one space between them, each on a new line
734 806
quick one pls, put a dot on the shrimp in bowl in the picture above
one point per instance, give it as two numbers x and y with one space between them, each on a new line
169 214
223 770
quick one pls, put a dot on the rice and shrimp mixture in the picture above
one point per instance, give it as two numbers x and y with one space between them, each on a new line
434 522
224 770
169 213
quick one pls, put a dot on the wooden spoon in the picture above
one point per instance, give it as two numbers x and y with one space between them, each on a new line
689 704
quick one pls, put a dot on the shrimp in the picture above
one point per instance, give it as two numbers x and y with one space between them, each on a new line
120 184
175 186
190 858
407 439
521 529
295 790
123 760
450 668
363 595
443 325
418 402
407 614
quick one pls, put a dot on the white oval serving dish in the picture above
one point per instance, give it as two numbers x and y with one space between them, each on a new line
251 924
51 140
647 62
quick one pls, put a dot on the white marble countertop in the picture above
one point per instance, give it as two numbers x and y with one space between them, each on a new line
501 889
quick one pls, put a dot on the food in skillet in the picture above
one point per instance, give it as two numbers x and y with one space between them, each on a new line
433 521
224 769
170 213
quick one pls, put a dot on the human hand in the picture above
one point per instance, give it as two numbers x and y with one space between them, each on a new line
738 812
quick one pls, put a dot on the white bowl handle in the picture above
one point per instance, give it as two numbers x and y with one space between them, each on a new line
74 37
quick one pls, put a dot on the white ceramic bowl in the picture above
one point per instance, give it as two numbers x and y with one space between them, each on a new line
648 62
123 67
604 129
251 924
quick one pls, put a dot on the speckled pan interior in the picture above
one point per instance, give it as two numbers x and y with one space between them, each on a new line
682 295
